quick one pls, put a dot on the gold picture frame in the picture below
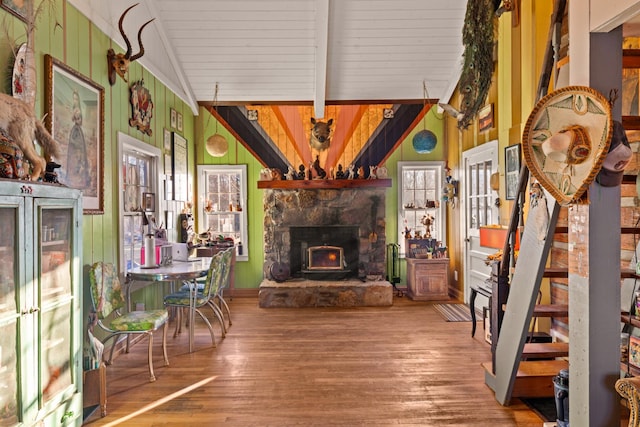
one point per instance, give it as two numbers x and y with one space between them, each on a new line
75 118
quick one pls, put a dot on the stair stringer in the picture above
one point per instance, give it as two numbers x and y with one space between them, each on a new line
523 292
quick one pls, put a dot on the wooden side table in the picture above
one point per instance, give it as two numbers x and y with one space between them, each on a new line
94 390
428 279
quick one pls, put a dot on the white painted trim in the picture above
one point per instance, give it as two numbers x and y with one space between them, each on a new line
322 41
148 150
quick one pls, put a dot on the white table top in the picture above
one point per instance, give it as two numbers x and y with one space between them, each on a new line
187 270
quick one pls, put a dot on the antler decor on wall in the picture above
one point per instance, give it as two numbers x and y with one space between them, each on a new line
118 63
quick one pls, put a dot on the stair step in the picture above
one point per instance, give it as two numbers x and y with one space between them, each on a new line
533 379
563 272
556 272
551 310
543 350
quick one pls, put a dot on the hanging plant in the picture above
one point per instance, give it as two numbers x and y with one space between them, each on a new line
478 36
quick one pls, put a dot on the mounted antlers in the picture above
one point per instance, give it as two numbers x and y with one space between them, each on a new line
118 63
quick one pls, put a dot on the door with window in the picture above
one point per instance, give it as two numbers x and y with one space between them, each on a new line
479 208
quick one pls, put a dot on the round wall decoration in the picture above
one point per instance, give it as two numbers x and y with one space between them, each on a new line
424 142
217 145
566 139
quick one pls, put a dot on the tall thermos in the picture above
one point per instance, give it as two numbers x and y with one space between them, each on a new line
150 251
561 389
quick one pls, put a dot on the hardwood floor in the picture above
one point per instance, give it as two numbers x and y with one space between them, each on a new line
399 365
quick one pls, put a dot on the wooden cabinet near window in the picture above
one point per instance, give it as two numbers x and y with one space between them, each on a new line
428 279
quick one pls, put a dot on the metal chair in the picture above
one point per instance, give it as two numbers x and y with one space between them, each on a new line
194 299
227 258
109 302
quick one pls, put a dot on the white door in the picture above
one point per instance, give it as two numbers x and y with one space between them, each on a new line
478 205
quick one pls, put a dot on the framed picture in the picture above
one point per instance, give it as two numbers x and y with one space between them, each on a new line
485 118
75 118
634 351
179 122
174 118
17 8
511 170
149 202
180 172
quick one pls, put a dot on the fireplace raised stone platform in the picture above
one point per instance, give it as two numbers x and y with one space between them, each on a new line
314 293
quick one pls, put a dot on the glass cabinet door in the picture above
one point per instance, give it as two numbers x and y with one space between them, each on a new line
55 299
9 314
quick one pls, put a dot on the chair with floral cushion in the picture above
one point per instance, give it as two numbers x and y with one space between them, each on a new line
193 298
109 303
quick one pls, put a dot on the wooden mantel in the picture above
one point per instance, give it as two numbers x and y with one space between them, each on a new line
322 184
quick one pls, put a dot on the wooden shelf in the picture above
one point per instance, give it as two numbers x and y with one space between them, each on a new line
321 184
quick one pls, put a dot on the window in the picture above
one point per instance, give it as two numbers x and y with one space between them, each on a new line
479 197
138 178
420 194
223 192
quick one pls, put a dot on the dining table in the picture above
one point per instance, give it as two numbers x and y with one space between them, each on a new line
176 272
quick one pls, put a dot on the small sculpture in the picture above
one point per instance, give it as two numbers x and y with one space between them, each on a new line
351 172
50 174
427 221
301 172
340 172
360 173
320 173
290 175
372 172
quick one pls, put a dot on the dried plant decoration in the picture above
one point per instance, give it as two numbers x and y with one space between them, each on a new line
478 36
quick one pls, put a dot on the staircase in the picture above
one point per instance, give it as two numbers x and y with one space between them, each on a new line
517 369
520 368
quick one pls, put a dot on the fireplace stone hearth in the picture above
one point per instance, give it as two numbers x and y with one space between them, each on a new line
299 293
359 210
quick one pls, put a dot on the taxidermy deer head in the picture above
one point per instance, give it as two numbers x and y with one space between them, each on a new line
320 134
118 63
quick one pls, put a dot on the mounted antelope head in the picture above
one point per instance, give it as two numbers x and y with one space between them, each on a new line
118 63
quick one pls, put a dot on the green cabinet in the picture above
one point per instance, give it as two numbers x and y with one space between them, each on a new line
40 304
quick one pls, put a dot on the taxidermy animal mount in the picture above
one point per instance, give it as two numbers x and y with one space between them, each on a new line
320 134
118 63
22 126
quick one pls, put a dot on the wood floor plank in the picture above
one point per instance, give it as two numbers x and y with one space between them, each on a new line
374 366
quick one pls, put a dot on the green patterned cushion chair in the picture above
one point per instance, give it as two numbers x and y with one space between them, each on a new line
223 307
109 303
182 299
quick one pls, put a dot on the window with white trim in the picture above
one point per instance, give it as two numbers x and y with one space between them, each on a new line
223 192
420 194
138 176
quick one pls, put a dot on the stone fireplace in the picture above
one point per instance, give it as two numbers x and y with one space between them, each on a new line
349 218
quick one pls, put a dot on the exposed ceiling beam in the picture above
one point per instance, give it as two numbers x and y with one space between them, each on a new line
322 41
